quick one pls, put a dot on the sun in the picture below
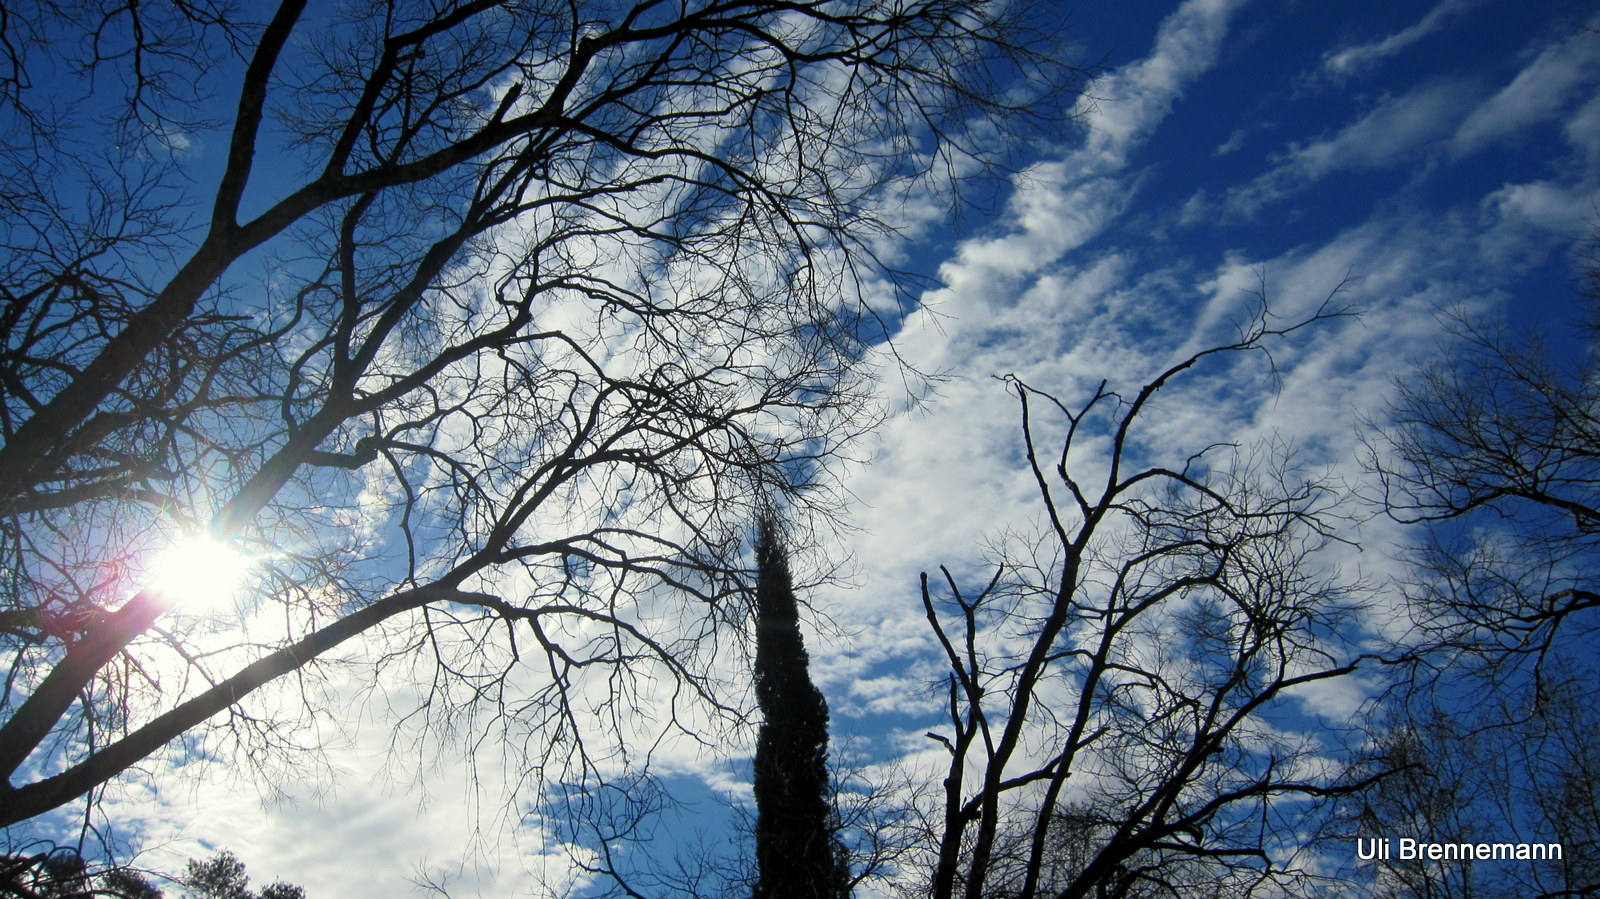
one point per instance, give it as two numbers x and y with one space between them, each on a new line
199 572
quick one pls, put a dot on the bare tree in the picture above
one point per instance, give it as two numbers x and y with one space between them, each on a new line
1121 691
1492 773
478 327
1493 450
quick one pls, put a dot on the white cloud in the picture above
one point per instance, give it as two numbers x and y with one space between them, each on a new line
1549 205
1538 93
1233 143
1138 96
350 829
1353 60
1445 114
1390 133
1583 131
1060 205
1385 135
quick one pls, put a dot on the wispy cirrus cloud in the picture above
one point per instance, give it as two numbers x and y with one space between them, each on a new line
1443 120
1360 57
1136 97
1059 205
1545 89
1392 131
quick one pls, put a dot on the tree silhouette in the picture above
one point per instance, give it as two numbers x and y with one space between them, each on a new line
797 853
1490 451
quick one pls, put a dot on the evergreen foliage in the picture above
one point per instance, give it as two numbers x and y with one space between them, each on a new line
796 851
223 877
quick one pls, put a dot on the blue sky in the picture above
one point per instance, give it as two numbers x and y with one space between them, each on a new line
1446 155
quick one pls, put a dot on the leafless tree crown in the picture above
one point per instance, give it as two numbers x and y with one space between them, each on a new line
1117 691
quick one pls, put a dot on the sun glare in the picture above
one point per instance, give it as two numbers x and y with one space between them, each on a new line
199 572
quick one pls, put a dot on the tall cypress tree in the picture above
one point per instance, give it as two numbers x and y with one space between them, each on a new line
796 850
